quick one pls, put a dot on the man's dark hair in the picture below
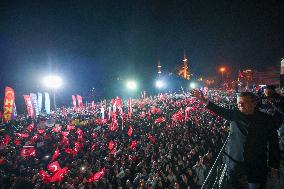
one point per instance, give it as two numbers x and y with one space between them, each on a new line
251 95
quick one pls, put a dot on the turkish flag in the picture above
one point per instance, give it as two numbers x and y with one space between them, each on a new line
24 135
40 131
57 129
160 120
56 154
45 177
28 151
58 176
64 141
54 167
65 134
111 145
133 144
98 175
6 140
151 138
30 127
17 142
70 127
34 138
69 151
113 125
130 131
79 132
93 135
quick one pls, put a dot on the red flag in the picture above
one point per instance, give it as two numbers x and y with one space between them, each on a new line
65 134
56 154
80 102
69 151
2 161
160 120
70 127
133 144
29 105
40 131
74 103
30 127
130 131
59 175
57 129
9 101
130 108
28 151
24 135
6 140
93 135
151 138
79 132
34 138
54 167
97 176
64 141
111 145
45 177
113 151
17 142
113 125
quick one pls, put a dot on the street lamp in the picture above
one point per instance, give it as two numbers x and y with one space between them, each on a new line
132 85
53 82
222 70
160 84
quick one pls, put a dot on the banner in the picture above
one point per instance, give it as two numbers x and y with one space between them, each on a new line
29 105
15 112
47 103
9 101
74 102
34 103
80 102
39 102
282 66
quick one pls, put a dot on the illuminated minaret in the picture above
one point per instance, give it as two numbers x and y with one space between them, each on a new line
184 72
159 68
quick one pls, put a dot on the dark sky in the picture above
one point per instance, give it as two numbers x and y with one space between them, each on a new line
90 43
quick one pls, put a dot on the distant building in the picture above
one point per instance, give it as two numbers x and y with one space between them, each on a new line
184 71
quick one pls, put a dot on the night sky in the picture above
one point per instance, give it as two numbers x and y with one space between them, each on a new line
92 43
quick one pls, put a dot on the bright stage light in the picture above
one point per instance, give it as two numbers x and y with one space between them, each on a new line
132 85
52 81
192 85
160 84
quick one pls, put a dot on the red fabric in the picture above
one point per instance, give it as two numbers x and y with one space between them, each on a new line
113 125
6 140
2 161
65 134
45 177
70 127
79 132
28 151
22 135
30 127
17 142
151 138
40 131
56 154
133 144
58 176
69 151
29 105
98 175
57 129
111 145
130 131
93 135
9 101
64 141
160 120
54 167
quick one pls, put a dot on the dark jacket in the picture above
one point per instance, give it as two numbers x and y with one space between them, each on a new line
260 131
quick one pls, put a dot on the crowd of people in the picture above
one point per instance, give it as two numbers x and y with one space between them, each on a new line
164 141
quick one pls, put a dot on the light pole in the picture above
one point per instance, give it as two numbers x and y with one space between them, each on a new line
222 70
53 82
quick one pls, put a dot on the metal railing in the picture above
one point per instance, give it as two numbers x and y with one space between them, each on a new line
216 176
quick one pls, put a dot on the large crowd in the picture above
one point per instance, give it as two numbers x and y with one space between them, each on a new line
164 141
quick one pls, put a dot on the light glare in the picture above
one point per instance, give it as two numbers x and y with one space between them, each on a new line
52 81
132 85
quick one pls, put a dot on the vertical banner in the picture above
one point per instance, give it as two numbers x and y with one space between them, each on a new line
47 103
9 101
130 108
74 102
15 112
29 105
39 102
34 103
282 67
80 102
